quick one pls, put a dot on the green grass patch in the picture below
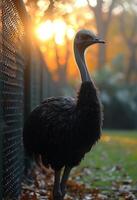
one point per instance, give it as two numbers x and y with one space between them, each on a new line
112 161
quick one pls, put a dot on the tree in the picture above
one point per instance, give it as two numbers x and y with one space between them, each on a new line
61 70
61 61
128 28
103 19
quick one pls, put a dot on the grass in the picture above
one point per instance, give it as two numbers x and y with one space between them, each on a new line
112 161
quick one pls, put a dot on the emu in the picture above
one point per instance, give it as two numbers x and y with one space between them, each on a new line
62 129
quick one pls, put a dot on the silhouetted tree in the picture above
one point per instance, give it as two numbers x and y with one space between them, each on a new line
103 19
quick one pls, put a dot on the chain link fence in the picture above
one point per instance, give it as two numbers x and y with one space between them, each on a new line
24 82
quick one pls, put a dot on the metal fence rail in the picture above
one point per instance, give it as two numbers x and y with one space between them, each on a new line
13 77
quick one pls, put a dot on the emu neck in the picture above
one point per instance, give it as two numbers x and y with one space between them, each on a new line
80 59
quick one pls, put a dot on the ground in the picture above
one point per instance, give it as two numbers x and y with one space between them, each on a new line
108 172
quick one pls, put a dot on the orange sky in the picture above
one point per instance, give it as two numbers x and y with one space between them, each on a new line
58 34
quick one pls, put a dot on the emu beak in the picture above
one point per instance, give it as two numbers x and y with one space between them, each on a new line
98 40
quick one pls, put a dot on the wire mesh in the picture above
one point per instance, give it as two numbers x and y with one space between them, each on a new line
24 82
12 91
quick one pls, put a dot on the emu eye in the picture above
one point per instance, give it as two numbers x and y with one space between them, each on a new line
85 37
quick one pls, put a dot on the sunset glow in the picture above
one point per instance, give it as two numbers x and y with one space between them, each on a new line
70 32
57 33
57 29
44 31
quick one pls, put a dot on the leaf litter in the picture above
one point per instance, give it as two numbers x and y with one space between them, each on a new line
41 187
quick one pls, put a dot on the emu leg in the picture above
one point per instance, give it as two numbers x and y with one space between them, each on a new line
57 194
64 180
37 158
29 165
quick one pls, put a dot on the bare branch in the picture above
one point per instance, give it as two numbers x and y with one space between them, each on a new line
90 6
111 7
49 10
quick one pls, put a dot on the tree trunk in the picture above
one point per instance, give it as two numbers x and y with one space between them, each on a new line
101 56
132 66
102 33
102 23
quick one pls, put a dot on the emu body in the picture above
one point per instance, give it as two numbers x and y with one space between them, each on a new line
63 129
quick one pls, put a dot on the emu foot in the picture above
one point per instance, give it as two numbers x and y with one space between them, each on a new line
58 196
63 190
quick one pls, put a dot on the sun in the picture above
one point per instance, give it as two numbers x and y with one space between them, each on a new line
44 31
56 29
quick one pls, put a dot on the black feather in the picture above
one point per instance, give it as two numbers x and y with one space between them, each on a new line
63 129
